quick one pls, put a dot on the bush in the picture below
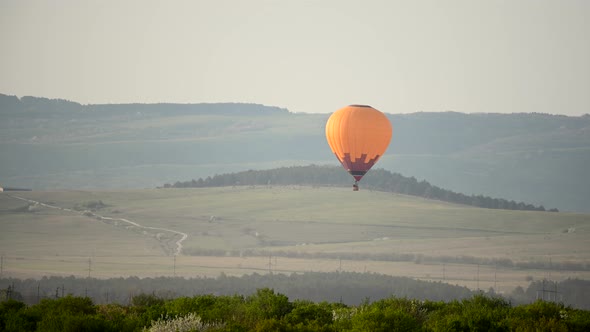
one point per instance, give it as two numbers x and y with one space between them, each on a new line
190 322
265 304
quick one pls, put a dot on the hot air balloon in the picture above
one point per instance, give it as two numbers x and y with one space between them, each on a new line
358 135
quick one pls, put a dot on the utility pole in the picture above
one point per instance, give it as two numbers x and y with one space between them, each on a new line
477 276
495 277
546 289
543 291
9 292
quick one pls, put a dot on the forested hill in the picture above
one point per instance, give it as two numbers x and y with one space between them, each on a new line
377 179
58 144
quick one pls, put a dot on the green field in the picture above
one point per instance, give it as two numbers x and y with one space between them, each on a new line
239 230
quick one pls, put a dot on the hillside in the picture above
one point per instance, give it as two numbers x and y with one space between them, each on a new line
285 229
333 176
47 144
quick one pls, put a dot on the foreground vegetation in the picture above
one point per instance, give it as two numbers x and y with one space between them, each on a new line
267 310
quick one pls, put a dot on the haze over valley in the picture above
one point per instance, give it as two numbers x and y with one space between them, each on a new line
145 183
295 165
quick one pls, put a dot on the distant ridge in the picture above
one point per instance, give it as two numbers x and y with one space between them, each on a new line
378 179
32 104
60 144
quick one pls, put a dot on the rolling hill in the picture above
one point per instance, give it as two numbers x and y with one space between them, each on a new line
49 144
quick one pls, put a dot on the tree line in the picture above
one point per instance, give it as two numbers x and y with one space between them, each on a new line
349 288
346 287
377 179
417 258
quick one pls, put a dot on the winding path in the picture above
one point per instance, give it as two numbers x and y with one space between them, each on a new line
177 252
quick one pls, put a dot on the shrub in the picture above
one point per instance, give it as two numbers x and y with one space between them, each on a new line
190 322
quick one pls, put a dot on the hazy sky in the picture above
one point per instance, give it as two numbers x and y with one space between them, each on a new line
307 56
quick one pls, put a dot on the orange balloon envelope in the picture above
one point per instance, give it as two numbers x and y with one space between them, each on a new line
358 136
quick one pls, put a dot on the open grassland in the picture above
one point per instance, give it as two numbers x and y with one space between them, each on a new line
239 230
